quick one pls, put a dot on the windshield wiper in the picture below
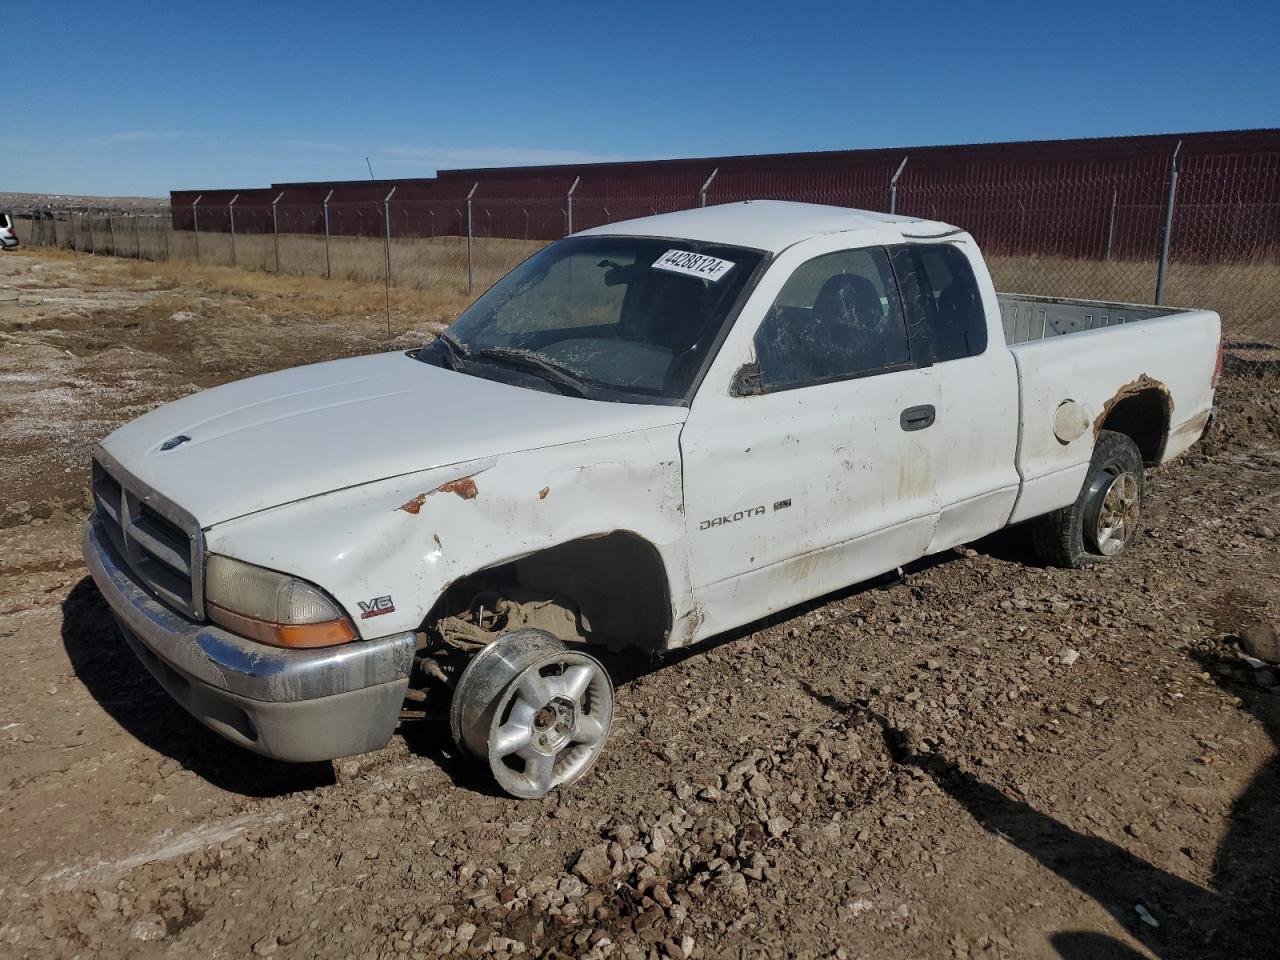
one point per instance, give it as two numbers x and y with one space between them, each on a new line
547 369
455 351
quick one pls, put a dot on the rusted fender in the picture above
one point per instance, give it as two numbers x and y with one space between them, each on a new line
1130 389
465 487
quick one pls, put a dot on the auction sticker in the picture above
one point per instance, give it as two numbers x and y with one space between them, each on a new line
693 264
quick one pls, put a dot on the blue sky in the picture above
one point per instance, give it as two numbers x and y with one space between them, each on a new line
141 98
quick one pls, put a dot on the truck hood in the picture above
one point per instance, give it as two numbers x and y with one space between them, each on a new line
294 434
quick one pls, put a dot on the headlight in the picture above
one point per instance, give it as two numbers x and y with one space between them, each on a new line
272 607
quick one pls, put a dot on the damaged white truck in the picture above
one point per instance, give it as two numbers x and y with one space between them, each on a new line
647 434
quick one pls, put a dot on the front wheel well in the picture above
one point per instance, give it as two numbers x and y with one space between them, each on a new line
616 583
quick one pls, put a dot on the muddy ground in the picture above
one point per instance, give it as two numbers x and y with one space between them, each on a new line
982 758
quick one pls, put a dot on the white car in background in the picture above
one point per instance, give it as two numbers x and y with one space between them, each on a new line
8 235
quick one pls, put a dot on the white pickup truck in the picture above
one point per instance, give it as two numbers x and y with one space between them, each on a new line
647 434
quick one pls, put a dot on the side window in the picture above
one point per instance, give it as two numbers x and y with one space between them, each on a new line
837 316
941 299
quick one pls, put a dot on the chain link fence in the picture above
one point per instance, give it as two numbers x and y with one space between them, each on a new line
1201 233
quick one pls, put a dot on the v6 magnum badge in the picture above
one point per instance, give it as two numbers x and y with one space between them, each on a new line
376 607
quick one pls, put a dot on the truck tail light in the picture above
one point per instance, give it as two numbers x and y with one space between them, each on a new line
1217 367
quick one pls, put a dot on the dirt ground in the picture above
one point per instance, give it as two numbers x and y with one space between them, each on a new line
981 758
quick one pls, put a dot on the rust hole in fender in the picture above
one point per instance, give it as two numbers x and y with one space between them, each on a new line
1132 388
542 494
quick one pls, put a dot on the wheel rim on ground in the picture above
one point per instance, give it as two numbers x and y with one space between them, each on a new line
537 713
1116 520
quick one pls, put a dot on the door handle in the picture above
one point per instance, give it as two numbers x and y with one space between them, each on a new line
917 418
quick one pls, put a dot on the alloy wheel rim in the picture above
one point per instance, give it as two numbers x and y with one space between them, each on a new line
1117 514
550 725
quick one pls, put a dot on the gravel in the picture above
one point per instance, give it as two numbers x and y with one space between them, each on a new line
909 768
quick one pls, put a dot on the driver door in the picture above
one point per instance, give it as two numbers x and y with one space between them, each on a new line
809 469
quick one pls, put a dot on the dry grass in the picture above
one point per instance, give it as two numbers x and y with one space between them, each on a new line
1247 295
286 296
419 263
430 274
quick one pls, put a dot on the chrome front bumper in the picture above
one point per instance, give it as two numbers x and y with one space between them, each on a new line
298 705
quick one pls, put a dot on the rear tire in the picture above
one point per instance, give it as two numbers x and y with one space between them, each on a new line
1107 515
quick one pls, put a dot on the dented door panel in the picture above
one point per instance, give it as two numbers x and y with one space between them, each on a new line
795 493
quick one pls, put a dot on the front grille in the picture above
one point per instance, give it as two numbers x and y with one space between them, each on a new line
161 542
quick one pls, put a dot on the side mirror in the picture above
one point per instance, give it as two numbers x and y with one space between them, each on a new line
748 382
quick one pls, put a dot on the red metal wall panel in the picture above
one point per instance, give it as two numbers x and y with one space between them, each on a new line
1077 198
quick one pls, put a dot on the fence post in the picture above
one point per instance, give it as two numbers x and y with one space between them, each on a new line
570 199
893 186
231 213
471 262
702 194
275 230
111 234
1111 224
195 224
328 271
1168 223
166 230
386 222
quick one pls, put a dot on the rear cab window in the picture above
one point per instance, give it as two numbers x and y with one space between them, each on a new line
941 299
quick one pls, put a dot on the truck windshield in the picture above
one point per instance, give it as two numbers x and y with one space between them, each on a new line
610 318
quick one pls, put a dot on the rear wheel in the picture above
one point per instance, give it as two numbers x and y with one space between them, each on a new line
1107 515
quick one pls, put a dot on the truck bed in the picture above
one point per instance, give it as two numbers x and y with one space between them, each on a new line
1115 351
1027 318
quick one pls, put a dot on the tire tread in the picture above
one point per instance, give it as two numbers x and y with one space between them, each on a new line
1058 536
